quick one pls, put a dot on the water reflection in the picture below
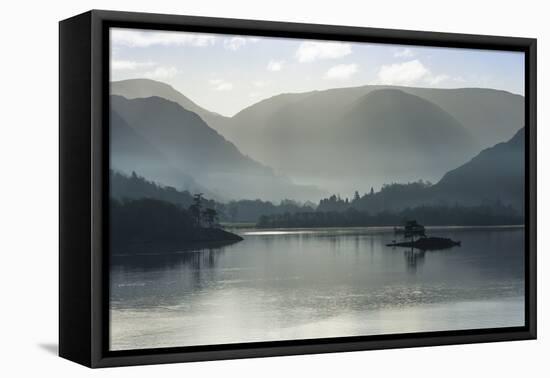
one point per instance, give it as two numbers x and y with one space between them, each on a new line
321 283
194 258
413 258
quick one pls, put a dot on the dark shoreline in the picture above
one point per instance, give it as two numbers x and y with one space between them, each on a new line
206 238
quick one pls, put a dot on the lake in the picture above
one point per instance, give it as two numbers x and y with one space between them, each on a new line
316 283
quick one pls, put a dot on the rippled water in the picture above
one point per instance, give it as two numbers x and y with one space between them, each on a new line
296 284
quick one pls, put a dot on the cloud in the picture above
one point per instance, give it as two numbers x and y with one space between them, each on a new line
312 51
260 83
403 73
220 85
224 87
458 79
341 71
412 72
275 65
130 65
161 72
138 38
237 42
404 53
234 43
437 79
149 70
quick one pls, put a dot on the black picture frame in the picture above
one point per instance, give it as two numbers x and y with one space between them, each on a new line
83 180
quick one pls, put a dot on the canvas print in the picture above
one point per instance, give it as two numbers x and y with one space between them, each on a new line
270 189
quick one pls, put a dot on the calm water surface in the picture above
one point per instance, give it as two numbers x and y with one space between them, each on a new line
296 284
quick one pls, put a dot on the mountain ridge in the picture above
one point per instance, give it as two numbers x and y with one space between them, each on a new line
143 88
498 173
296 133
498 108
200 152
298 139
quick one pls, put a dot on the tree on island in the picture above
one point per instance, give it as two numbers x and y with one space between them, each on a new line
196 209
210 217
200 215
149 224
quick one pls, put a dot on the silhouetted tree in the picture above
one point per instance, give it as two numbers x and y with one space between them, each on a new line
233 213
210 217
196 208
159 222
494 213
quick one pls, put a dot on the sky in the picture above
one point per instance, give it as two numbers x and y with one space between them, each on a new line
227 73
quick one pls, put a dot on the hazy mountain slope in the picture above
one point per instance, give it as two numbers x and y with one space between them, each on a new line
320 137
360 141
496 173
399 137
126 144
133 186
390 119
263 110
142 88
189 144
182 135
489 115
494 177
131 152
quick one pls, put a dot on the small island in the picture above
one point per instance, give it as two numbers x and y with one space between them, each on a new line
154 226
424 243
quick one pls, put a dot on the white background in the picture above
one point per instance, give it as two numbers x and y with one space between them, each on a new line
29 188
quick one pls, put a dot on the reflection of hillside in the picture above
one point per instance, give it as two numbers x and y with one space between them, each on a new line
160 248
181 275
205 257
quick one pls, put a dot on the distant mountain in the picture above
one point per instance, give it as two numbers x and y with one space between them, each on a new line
126 143
288 122
495 177
131 152
155 124
125 187
143 88
345 138
354 142
495 174
425 137
490 115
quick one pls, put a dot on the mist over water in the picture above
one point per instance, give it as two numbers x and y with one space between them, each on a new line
315 283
